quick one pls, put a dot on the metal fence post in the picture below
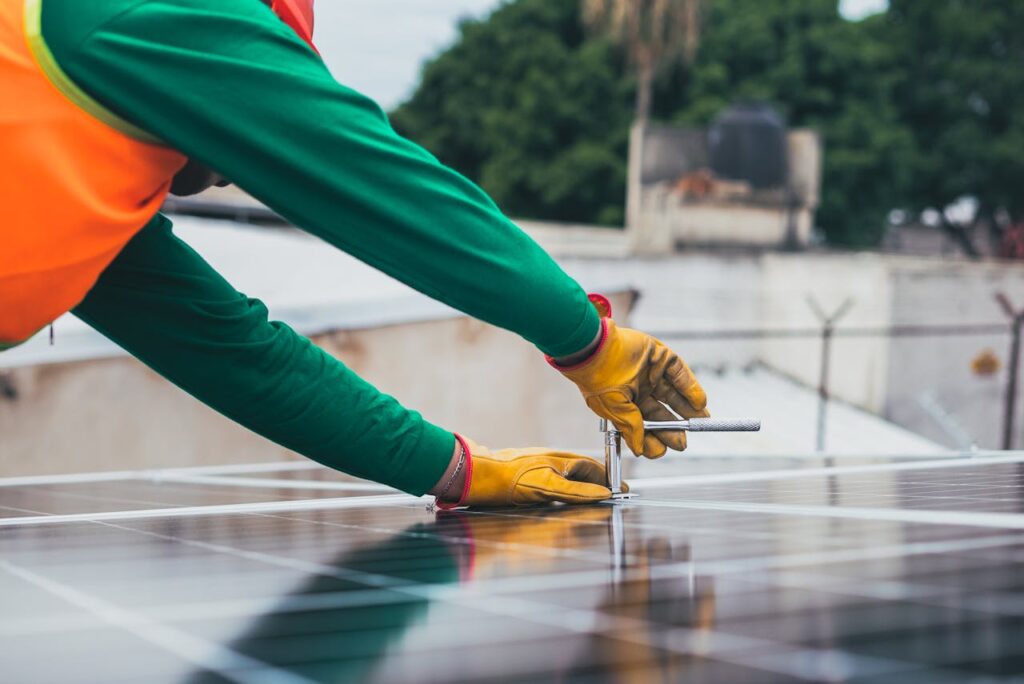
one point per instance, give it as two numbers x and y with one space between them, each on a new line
1010 400
8 390
828 325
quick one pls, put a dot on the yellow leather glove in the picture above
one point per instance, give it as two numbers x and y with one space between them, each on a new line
629 378
522 477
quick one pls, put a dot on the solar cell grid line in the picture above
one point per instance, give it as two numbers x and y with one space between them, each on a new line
120 475
108 490
213 510
985 486
992 520
15 512
36 491
277 483
185 495
145 506
797 473
1000 603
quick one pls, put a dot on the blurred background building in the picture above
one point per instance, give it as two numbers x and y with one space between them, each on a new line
747 181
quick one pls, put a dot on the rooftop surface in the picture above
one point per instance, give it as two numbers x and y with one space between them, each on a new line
788 412
722 570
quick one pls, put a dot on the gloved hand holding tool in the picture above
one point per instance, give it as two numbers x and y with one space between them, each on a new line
629 377
522 477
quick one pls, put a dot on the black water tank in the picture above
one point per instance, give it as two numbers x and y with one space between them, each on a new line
748 142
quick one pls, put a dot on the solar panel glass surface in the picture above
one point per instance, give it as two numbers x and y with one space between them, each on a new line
722 570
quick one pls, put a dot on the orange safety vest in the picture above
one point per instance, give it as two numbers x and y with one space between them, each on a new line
76 181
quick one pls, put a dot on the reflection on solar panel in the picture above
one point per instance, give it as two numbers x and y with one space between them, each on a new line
724 570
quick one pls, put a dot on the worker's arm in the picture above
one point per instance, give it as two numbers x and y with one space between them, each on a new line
230 85
163 303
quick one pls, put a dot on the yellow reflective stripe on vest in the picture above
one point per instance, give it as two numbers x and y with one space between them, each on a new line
60 80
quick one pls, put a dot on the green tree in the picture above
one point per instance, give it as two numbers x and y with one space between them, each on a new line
961 92
652 32
917 107
529 106
820 71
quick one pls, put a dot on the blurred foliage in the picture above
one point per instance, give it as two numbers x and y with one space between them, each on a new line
653 33
917 107
821 71
961 86
526 105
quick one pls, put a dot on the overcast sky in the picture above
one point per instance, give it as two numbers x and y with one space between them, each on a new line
378 46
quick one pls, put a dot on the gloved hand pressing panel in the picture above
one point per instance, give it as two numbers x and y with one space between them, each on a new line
522 477
629 378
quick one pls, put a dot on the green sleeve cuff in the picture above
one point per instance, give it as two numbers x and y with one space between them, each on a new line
426 463
584 334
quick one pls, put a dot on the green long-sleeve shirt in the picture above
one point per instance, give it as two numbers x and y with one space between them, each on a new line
230 85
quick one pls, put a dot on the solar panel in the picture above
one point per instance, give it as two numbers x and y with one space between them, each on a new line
722 570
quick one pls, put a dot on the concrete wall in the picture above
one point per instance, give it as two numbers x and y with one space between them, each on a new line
888 376
113 414
708 292
860 370
688 292
934 291
667 220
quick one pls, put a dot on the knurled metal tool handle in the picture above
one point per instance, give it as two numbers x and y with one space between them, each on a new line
706 425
